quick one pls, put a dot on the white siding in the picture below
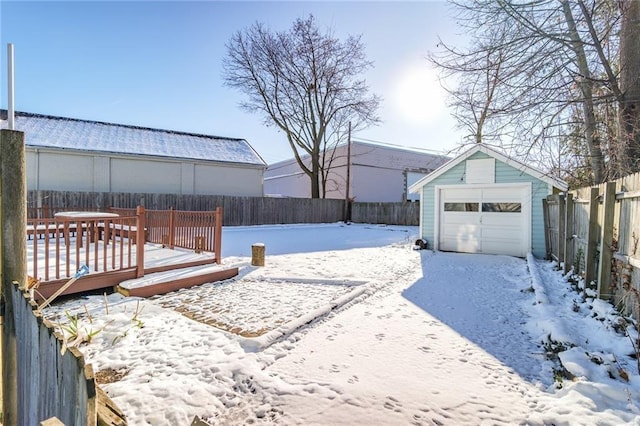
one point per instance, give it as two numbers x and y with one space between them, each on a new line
378 173
145 176
224 180
101 172
80 171
65 172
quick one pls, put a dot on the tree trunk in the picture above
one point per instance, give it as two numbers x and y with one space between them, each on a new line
315 174
630 84
585 83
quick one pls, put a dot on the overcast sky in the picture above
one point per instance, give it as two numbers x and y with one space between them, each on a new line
159 64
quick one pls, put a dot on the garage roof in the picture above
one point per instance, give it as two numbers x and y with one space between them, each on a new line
545 177
45 131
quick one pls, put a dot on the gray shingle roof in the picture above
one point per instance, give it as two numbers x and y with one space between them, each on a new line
69 133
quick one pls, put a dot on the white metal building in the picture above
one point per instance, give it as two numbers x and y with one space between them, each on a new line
378 173
68 154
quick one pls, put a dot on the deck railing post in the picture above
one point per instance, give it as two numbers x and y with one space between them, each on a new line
218 236
172 230
140 240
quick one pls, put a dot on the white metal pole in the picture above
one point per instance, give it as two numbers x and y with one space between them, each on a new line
11 107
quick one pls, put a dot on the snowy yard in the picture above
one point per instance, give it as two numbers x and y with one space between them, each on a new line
350 325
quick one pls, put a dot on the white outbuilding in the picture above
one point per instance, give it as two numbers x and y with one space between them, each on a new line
485 202
68 154
375 172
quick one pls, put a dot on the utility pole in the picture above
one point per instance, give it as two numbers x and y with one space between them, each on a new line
347 202
13 250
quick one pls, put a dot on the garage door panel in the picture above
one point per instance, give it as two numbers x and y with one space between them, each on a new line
461 194
502 219
503 232
497 194
499 229
508 247
462 218
463 238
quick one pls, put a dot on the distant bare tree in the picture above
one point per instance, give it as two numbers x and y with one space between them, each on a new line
546 69
304 82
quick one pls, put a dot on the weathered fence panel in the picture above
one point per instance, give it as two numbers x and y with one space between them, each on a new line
237 211
50 384
595 231
389 213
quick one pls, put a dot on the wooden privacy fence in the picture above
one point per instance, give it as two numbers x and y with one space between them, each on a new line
390 213
50 383
237 210
594 231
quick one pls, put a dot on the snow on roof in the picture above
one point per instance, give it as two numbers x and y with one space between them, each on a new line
70 133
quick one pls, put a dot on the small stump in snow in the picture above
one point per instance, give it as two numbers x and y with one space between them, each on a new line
257 254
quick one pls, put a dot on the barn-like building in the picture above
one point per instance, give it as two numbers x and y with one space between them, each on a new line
68 154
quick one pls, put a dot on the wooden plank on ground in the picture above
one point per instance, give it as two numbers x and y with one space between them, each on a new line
108 412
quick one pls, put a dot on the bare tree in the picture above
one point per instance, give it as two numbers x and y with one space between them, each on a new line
630 82
304 82
543 61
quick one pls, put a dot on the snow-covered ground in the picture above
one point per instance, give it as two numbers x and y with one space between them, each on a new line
350 325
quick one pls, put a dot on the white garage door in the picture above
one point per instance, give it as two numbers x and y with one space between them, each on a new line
492 220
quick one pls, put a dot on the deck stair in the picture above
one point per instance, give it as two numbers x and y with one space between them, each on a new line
176 279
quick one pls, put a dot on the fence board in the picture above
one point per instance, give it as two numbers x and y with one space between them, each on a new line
604 227
237 211
49 384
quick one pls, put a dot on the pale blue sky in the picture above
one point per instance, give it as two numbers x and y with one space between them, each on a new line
159 64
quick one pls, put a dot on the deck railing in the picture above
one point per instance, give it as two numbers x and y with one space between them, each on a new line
61 245
198 231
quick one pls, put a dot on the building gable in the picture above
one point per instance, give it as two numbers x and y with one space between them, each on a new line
516 170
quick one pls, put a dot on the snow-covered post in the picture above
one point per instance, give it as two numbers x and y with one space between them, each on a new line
257 254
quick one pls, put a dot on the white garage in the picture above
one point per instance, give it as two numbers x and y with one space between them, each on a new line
485 202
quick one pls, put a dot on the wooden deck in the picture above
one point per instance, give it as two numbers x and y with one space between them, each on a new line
114 247
111 279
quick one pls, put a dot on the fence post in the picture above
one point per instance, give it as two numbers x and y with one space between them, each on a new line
591 263
562 235
218 236
568 233
13 260
606 241
547 225
172 224
140 240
